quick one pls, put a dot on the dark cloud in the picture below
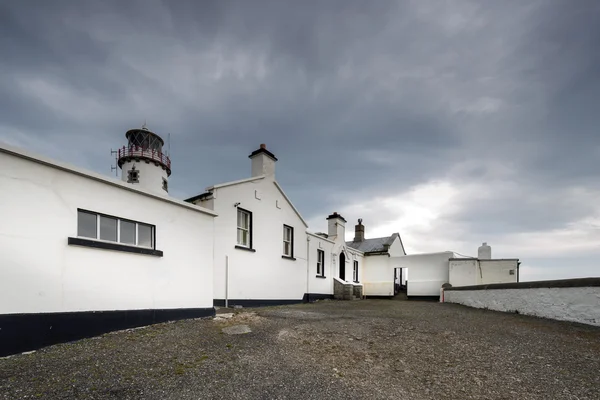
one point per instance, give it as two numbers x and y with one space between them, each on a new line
359 100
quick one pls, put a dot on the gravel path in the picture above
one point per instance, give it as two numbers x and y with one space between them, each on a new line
376 349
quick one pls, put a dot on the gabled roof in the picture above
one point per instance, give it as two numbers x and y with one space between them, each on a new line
290 203
375 245
208 190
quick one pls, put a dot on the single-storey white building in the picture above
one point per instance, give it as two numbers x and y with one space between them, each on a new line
83 254
429 271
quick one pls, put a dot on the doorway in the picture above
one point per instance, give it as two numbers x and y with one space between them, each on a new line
342 266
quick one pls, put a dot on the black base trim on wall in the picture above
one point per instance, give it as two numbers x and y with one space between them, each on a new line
24 332
308 297
254 302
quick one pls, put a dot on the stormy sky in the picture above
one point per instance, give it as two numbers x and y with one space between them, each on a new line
450 122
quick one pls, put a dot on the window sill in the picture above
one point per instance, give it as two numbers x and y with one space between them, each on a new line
74 241
245 249
288 258
321 276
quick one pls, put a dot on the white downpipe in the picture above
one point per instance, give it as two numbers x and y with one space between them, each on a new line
308 268
226 281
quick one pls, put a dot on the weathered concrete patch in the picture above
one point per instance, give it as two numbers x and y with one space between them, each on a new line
237 329
220 317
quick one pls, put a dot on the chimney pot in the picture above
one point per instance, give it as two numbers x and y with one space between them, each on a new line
359 231
263 146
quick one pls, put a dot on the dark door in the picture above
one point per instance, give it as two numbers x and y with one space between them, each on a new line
342 266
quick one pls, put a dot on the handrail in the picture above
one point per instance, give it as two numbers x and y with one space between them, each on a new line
136 151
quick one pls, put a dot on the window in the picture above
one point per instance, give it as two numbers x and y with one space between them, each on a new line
355 271
244 228
511 272
87 224
320 263
108 228
288 241
165 185
133 175
112 229
128 232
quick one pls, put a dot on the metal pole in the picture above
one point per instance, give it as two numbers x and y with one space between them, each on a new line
226 281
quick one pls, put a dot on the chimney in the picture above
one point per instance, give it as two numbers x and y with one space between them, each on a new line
359 231
484 252
263 162
336 225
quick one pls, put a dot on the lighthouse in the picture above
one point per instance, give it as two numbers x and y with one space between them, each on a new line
143 162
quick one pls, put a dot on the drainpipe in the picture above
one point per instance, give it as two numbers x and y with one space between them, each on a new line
518 265
226 281
307 268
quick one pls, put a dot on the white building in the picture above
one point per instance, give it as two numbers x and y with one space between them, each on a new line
83 254
483 270
428 272
265 255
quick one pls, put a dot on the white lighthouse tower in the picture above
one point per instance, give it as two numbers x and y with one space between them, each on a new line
143 162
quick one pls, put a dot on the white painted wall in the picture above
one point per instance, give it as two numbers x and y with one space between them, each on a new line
497 271
427 272
150 176
317 285
576 304
379 270
378 276
463 272
263 274
40 272
467 272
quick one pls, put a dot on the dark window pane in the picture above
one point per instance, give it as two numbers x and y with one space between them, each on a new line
127 232
108 228
86 224
145 235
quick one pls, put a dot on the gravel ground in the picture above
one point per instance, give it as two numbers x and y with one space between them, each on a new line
376 349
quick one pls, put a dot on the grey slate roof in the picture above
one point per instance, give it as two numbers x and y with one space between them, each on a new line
374 245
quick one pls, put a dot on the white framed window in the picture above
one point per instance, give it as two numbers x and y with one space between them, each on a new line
288 241
244 228
355 271
320 263
107 228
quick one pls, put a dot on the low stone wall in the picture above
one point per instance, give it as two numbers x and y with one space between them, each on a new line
346 291
357 291
575 300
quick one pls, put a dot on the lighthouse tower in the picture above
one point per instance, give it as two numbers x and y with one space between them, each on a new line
143 162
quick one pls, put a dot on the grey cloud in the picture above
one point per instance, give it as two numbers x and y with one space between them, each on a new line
355 98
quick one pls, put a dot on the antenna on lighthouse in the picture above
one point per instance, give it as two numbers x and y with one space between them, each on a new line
114 167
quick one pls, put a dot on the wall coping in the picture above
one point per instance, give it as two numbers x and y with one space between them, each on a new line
559 283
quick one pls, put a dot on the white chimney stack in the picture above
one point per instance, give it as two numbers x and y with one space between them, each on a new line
484 252
263 162
336 225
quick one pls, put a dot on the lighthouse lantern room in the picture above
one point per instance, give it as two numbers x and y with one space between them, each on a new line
143 162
